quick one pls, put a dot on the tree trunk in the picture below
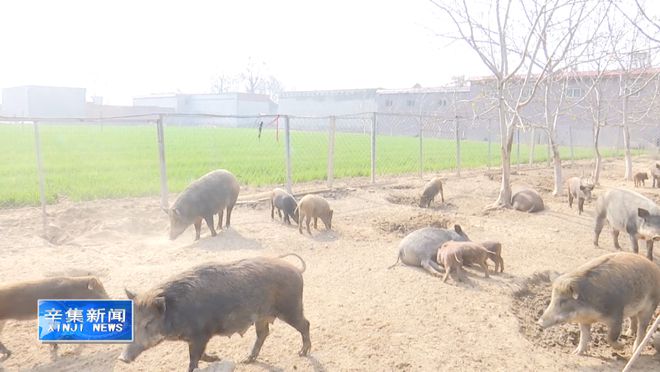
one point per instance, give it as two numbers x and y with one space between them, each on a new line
556 161
595 176
532 142
504 198
626 141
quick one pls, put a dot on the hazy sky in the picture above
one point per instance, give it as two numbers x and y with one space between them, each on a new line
121 49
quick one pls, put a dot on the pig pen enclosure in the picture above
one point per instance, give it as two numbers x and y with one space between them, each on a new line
364 316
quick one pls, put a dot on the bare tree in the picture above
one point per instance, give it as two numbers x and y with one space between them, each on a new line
225 83
507 37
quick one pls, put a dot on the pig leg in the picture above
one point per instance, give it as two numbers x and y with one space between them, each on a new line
634 243
570 200
229 209
261 327
426 264
615 237
297 320
220 214
308 219
643 319
585 338
209 223
580 205
3 349
444 279
484 266
649 249
316 220
442 195
196 350
272 210
286 218
198 229
614 331
300 221
501 261
598 227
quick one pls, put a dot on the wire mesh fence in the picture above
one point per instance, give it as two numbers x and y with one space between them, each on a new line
82 159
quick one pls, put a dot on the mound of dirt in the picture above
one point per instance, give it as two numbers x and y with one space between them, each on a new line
533 298
404 225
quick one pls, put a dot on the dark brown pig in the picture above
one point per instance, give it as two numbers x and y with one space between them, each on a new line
606 289
431 189
527 200
628 211
285 204
18 301
220 299
453 255
640 179
314 206
580 190
212 193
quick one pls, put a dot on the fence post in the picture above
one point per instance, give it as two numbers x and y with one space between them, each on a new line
287 152
373 148
164 203
458 147
489 144
331 150
518 147
570 139
40 172
421 147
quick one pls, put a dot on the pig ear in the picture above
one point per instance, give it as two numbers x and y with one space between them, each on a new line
574 293
643 213
159 304
582 187
129 294
458 229
175 212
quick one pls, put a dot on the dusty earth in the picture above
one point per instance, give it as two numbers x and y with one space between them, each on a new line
364 317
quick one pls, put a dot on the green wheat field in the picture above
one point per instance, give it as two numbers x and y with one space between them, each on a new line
84 162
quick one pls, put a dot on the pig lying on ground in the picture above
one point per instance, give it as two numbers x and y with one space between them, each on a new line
631 212
285 204
527 200
640 179
453 255
18 301
314 206
210 194
580 190
420 247
431 189
655 174
220 299
606 289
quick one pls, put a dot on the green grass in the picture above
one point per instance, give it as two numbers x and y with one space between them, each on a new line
84 162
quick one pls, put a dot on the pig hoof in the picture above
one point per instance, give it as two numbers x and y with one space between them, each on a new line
616 345
304 351
6 356
209 358
249 359
580 351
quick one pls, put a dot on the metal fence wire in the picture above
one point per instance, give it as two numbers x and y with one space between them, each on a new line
47 160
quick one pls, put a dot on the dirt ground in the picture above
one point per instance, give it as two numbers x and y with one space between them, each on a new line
364 316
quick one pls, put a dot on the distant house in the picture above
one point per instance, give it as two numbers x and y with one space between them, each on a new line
43 102
117 113
224 104
328 102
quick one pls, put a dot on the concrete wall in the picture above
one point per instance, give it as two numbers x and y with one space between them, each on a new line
328 102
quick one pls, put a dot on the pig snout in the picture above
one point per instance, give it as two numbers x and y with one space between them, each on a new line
131 352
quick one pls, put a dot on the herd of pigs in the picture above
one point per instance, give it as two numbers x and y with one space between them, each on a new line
229 298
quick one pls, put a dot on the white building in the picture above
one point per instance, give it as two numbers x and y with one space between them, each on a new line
229 104
328 102
43 102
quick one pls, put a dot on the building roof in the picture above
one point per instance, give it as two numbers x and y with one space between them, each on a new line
462 89
336 92
578 74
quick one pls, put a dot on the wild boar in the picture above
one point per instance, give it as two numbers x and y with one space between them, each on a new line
220 299
18 301
640 179
496 249
203 198
453 255
431 189
314 206
527 200
628 211
606 289
580 190
420 247
285 204
655 174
